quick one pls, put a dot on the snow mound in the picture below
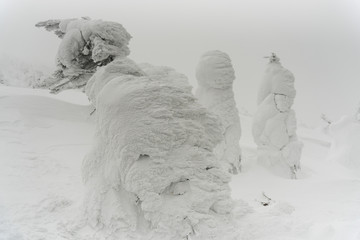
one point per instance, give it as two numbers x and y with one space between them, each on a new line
215 75
152 173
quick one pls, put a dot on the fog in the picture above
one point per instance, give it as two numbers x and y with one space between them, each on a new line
319 41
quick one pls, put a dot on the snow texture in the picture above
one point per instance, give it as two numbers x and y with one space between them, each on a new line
274 123
125 66
151 173
85 45
215 76
121 66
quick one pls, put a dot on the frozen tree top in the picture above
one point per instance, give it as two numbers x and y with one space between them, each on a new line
85 45
273 58
215 70
277 80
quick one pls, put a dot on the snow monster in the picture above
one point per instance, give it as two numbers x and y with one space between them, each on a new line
274 123
215 75
152 173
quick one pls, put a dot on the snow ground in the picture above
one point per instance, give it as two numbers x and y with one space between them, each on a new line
44 137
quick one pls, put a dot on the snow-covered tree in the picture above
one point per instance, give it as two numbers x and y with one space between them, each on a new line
215 75
274 124
152 173
86 44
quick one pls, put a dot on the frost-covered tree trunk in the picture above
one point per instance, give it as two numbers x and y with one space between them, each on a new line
215 76
274 124
86 44
152 173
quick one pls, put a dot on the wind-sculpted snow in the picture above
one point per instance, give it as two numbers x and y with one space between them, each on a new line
274 124
85 45
152 170
215 75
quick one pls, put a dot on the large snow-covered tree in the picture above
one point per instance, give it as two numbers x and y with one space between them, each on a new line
215 75
274 124
152 173
86 44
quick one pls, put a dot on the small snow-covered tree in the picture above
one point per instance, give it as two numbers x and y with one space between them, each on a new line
274 124
86 44
215 75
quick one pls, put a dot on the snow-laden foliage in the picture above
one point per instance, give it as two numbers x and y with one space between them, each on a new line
274 124
14 72
345 146
215 76
85 45
151 173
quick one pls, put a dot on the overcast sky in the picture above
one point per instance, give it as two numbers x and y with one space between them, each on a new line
318 40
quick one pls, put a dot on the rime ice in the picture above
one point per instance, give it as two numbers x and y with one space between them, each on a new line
215 75
85 45
274 124
152 173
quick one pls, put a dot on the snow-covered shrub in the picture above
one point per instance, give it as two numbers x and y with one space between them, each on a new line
85 45
215 76
274 124
14 72
152 173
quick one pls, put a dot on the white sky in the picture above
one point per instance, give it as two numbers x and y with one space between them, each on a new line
318 40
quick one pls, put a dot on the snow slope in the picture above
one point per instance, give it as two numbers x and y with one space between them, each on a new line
44 137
